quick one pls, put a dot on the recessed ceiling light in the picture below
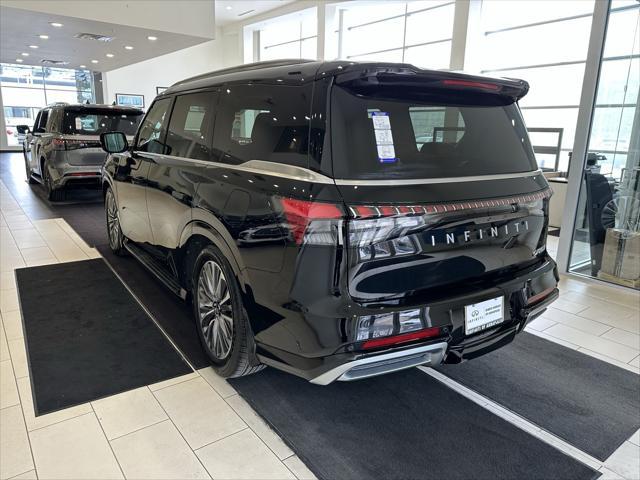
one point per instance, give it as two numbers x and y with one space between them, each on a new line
128 47
33 46
44 37
228 7
110 55
83 66
152 38
25 54
55 24
94 61
19 60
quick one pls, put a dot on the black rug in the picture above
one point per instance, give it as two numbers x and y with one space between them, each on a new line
401 426
174 315
593 405
87 337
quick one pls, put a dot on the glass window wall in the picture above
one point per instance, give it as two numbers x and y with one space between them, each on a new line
26 89
606 239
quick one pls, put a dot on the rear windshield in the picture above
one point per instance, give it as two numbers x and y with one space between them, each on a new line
396 137
95 122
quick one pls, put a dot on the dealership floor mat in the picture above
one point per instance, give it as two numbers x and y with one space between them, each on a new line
174 315
343 430
593 405
87 337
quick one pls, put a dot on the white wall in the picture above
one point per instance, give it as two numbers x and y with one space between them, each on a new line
144 77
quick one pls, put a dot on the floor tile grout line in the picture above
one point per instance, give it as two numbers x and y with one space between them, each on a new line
545 436
137 429
180 433
246 427
534 331
24 419
256 433
107 440
22 473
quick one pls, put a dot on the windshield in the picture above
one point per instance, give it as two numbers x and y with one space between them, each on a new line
392 136
95 122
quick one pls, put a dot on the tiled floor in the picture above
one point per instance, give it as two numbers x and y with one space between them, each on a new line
196 426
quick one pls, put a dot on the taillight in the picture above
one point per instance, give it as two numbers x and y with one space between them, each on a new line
392 328
312 222
532 300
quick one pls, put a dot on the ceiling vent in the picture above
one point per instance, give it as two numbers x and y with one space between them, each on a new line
94 36
246 13
46 61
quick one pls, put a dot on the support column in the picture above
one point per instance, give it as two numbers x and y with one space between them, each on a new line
583 130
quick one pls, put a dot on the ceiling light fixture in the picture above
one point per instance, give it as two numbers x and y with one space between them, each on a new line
55 24
19 60
110 55
128 47
25 54
228 7
94 61
33 46
44 37
152 38
83 66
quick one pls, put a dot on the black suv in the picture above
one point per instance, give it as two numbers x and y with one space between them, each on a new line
337 220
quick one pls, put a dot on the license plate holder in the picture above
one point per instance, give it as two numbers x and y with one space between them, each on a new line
483 315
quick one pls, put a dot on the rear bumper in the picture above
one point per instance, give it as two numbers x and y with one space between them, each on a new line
341 360
370 366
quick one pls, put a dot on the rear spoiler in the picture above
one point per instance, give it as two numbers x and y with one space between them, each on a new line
410 79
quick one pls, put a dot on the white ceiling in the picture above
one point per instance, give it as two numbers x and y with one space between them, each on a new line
21 28
229 11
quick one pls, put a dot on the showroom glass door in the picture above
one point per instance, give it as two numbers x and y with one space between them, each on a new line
606 239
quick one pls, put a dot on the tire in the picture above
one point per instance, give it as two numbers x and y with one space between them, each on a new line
53 194
225 333
114 232
28 171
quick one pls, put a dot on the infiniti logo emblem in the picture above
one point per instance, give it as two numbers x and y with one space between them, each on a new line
466 236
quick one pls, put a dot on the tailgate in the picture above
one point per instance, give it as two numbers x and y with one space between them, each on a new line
399 249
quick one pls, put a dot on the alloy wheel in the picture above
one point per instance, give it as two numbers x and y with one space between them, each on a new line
215 310
113 224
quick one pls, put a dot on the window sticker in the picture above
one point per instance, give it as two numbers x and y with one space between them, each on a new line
384 137
78 123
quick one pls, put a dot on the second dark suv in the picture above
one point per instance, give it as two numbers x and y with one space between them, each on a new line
337 220
64 147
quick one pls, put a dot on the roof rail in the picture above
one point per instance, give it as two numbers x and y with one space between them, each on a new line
55 104
245 68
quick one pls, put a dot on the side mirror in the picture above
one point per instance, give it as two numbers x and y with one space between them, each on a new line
22 129
114 142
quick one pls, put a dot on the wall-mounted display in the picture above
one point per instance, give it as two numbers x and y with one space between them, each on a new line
130 100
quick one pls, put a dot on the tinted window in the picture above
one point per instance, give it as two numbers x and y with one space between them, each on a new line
261 122
395 137
97 121
190 126
42 123
153 127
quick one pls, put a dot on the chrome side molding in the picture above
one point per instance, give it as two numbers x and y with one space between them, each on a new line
292 172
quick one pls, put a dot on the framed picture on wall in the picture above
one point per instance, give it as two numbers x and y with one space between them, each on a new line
130 100
159 90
